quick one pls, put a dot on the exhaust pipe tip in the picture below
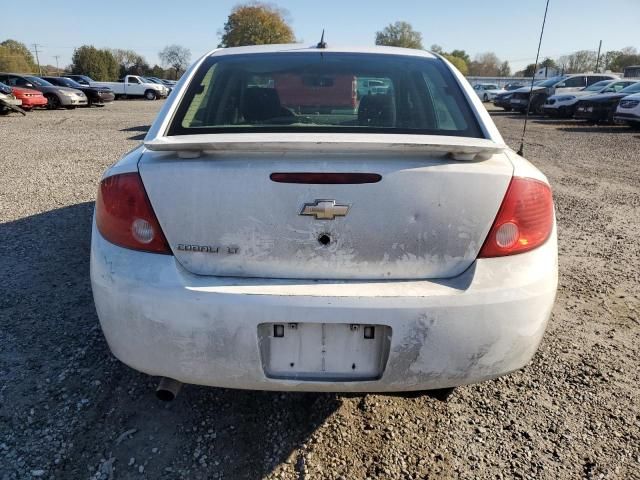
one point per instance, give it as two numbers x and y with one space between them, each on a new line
168 389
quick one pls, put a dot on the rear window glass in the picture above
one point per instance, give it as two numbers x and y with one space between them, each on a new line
328 92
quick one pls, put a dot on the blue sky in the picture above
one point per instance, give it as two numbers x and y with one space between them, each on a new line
510 28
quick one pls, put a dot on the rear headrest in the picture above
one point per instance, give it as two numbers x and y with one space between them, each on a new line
377 111
261 104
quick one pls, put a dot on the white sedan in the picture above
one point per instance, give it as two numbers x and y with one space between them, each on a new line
277 232
628 111
487 91
564 104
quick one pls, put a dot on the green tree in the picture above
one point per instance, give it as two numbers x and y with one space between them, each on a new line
435 48
256 24
461 54
458 62
16 57
176 57
99 64
530 70
157 71
617 60
399 34
130 62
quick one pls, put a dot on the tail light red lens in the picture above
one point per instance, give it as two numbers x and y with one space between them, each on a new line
125 217
524 221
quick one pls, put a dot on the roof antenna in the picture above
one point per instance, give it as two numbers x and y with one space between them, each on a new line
533 79
322 43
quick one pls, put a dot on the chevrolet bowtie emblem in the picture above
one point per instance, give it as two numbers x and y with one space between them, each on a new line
324 210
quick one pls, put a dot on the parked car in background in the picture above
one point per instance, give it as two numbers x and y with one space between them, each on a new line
97 96
81 79
602 108
30 98
628 111
135 86
170 84
371 86
553 86
157 81
8 99
316 93
56 96
503 100
396 246
563 105
487 91
128 86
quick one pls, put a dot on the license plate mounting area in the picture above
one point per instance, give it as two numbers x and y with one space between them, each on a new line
330 352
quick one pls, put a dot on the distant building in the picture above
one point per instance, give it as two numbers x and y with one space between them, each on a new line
632 72
546 72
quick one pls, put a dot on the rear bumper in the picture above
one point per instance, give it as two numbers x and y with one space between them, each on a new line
519 103
33 101
558 109
13 101
164 321
595 113
626 118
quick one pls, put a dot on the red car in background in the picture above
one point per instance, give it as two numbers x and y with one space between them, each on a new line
306 93
30 97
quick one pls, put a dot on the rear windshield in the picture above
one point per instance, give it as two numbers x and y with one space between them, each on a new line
328 92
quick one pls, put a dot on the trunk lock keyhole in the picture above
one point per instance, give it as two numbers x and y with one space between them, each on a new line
324 239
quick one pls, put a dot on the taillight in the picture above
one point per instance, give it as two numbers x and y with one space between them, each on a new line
524 221
124 215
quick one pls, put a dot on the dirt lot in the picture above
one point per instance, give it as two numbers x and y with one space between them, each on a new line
69 410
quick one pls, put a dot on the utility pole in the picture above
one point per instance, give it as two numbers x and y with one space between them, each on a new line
35 49
57 69
598 59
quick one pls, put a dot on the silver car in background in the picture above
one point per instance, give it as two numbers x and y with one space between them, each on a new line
56 96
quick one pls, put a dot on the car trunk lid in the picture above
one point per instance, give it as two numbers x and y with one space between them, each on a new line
225 213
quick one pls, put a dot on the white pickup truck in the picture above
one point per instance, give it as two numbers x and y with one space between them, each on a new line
129 86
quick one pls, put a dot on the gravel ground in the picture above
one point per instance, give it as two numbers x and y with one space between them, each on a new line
68 409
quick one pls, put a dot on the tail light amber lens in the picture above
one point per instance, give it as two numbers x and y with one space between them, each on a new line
524 221
125 217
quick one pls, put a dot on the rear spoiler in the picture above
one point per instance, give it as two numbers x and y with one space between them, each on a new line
457 148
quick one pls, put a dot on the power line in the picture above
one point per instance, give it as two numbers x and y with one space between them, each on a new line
57 68
35 49
598 60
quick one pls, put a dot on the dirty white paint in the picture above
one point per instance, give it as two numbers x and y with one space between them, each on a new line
163 320
404 257
426 218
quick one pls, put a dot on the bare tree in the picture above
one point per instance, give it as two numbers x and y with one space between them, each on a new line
505 69
485 65
176 57
131 63
578 62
